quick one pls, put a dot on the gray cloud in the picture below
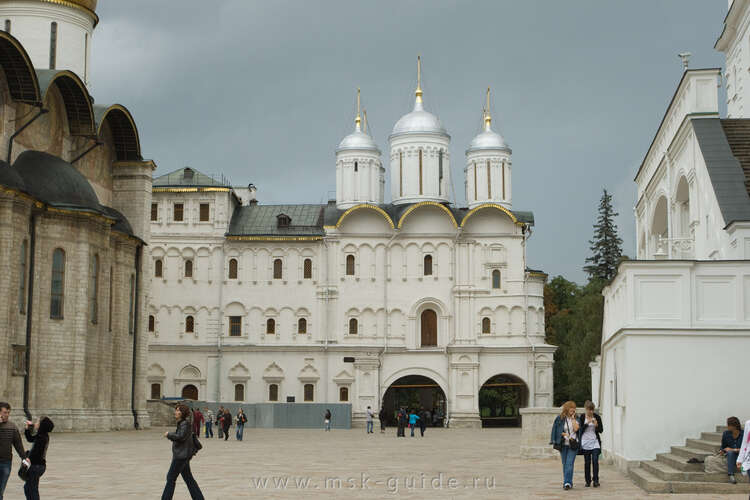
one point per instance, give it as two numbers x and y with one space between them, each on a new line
263 91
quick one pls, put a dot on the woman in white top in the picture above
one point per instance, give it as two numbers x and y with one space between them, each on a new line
565 437
591 443
743 459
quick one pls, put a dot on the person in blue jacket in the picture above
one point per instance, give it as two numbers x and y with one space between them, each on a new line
413 417
565 437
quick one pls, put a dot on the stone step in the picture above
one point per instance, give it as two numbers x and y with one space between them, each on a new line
649 482
667 473
678 462
716 488
721 428
712 436
689 452
700 444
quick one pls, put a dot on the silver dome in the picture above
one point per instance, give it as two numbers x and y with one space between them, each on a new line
357 140
419 120
488 139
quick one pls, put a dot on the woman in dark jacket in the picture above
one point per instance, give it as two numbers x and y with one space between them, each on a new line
37 456
182 451
591 442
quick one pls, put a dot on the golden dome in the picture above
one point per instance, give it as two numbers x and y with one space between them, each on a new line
88 6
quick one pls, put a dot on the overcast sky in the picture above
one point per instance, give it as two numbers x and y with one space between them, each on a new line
263 91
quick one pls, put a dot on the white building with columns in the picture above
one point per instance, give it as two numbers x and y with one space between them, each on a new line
676 327
414 302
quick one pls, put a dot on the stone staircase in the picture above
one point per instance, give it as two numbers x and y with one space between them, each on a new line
671 472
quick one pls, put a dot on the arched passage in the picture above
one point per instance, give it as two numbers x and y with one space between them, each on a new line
500 399
415 392
190 392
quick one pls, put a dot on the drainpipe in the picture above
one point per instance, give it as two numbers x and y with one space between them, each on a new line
29 311
96 144
138 252
12 137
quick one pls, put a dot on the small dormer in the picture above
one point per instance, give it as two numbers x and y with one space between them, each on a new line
283 221
188 174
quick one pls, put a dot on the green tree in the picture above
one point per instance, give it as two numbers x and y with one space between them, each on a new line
606 245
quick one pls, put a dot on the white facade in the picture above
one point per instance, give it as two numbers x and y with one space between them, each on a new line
346 297
677 320
56 34
734 42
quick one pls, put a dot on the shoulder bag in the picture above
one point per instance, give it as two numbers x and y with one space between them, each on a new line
572 442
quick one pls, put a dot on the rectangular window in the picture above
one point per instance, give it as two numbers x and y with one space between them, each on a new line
53 45
420 171
489 182
22 281
131 308
154 212
7 25
178 212
235 326
401 174
204 212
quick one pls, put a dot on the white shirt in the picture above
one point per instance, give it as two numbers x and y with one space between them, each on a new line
588 438
568 428
744 456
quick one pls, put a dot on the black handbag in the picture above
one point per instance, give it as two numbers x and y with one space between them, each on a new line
23 471
197 446
572 442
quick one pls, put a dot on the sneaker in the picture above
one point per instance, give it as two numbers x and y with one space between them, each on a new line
567 486
596 484
732 479
588 485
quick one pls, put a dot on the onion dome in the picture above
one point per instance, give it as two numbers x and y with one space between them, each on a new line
419 120
488 138
359 139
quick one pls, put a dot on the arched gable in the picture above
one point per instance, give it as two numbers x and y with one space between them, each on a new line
124 131
19 71
365 206
78 108
490 205
416 206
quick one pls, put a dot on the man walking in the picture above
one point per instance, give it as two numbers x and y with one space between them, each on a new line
381 417
226 423
220 421
9 436
197 421
370 415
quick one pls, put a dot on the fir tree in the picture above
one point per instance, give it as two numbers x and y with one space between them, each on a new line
606 245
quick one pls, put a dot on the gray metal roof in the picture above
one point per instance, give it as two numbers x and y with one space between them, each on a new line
724 169
262 220
197 179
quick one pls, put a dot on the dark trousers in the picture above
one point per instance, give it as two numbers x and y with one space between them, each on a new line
382 425
421 430
226 432
181 467
31 486
590 456
400 431
4 475
209 429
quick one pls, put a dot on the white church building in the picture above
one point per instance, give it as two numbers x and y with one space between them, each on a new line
415 302
676 330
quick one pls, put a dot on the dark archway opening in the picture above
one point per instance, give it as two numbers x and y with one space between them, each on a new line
500 400
415 392
190 392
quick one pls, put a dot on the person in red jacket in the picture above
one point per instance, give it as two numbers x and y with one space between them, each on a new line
197 421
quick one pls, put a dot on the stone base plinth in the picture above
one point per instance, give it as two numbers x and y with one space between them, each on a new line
536 425
465 421
86 420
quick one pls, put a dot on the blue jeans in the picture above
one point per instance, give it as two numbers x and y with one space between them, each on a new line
369 426
240 429
209 429
568 457
31 486
4 475
328 425
591 456
732 462
181 467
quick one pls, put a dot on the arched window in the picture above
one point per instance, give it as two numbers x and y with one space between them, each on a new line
308 269
343 394
188 268
57 295
302 325
309 392
155 391
131 306
356 169
353 327
158 271
151 323
429 328
350 265
273 392
94 289
232 269
22 281
189 324
495 279
270 326
486 325
53 45
239 392
277 269
428 265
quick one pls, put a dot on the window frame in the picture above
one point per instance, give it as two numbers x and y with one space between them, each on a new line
189 323
486 321
311 398
154 212
57 297
207 206
233 271
155 385
307 269
270 326
351 265
355 323
242 389
496 272
302 326
235 321
344 390
278 269
158 268
151 323
273 393
188 268
181 212
425 267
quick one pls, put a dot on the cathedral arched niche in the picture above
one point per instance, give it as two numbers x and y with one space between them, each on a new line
428 217
489 218
658 228
365 218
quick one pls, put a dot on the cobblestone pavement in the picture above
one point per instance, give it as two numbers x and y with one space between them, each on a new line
338 464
